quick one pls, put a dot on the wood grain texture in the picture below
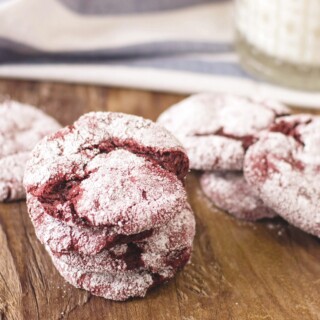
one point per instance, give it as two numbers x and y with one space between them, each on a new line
264 270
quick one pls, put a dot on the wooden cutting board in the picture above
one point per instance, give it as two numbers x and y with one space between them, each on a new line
239 270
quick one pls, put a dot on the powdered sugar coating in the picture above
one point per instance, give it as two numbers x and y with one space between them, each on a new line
128 192
11 176
230 192
67 152
213 152
110 274
165 242
284 166
216 129
163 249
106 198
21 127
63 173
117 287
61 237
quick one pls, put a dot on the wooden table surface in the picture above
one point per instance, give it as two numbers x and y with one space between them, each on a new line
239 270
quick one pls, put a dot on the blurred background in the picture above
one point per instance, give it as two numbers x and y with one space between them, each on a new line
248 47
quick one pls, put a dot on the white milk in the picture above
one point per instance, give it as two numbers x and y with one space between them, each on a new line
288 30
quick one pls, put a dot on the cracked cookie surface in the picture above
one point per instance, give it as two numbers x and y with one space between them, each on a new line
217 129
284 167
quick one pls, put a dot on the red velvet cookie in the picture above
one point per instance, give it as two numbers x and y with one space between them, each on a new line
170 241
284 167
21 127
106 197
61 237
230 192
216 129
110 169
164 249
128 193
119 287
11 173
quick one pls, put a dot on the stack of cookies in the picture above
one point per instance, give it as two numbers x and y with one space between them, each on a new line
107 200
256 159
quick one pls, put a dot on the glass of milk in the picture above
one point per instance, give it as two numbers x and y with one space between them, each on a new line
279 40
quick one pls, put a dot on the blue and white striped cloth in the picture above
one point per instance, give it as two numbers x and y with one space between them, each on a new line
166 45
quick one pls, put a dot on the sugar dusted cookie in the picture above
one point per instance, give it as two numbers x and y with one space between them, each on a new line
230 192
21 127
110 169
167 247
216 129
284 167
